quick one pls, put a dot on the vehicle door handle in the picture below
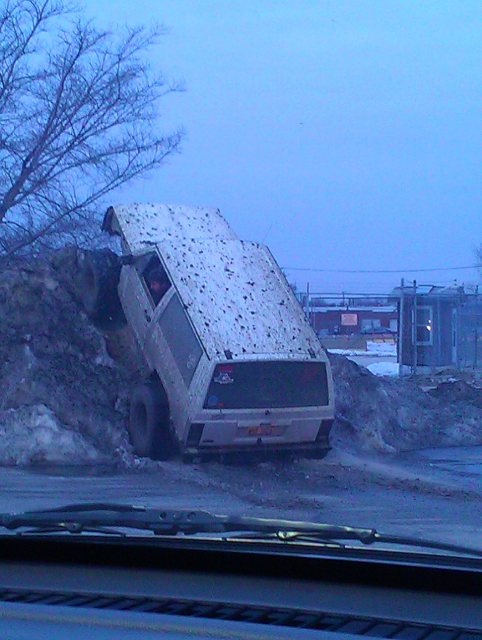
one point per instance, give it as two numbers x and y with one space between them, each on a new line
148 317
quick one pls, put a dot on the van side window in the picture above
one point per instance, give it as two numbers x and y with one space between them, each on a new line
156 280
181 339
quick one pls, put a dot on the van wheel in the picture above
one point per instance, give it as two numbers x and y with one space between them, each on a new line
97 284
149 423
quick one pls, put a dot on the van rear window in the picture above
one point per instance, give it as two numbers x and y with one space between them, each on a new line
266 385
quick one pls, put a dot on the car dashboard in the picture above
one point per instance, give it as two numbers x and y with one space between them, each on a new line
83 587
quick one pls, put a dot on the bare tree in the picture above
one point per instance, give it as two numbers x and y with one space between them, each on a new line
78 119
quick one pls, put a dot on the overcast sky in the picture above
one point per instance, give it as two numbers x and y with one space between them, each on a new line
345 134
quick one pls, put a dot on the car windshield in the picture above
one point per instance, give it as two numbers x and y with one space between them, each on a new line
282 319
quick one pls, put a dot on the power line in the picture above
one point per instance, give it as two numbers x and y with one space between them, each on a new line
476 266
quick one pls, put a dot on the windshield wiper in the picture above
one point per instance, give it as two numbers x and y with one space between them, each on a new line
111 518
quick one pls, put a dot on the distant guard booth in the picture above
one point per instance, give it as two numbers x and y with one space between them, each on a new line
438 327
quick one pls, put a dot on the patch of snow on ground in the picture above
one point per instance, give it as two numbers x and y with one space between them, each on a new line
373 349
347 352
384 368
382 348
33 434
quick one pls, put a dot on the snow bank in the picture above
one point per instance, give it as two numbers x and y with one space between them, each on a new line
382 348
33 434
384 368
373 349
390 414
64 385
347 352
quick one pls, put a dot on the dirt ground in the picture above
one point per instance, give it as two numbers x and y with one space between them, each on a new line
394 496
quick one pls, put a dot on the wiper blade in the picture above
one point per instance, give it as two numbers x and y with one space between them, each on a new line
102 517
77 517
113 517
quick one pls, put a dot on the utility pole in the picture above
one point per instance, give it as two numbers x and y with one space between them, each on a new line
400 327
414 329
476 329
307 308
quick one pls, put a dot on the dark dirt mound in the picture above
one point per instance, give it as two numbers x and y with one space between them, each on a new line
456 391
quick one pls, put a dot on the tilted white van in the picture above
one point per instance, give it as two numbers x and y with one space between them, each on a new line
235 366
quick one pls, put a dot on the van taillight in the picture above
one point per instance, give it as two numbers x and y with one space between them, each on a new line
195 434
324 430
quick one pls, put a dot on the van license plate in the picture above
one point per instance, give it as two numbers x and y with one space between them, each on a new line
260 431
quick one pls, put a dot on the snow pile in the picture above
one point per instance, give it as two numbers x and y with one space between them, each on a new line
384 368
382 348
394 414
64 385
347 352
33 434
373 349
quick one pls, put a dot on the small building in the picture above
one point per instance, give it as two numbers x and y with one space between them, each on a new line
438 327
352 319
350 314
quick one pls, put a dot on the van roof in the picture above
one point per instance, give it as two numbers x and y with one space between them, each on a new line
143 225
237 298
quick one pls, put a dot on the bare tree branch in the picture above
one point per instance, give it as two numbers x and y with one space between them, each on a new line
78 119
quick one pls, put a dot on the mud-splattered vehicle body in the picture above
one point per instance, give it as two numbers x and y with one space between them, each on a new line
235 365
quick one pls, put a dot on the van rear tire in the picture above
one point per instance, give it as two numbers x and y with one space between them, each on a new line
149 423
